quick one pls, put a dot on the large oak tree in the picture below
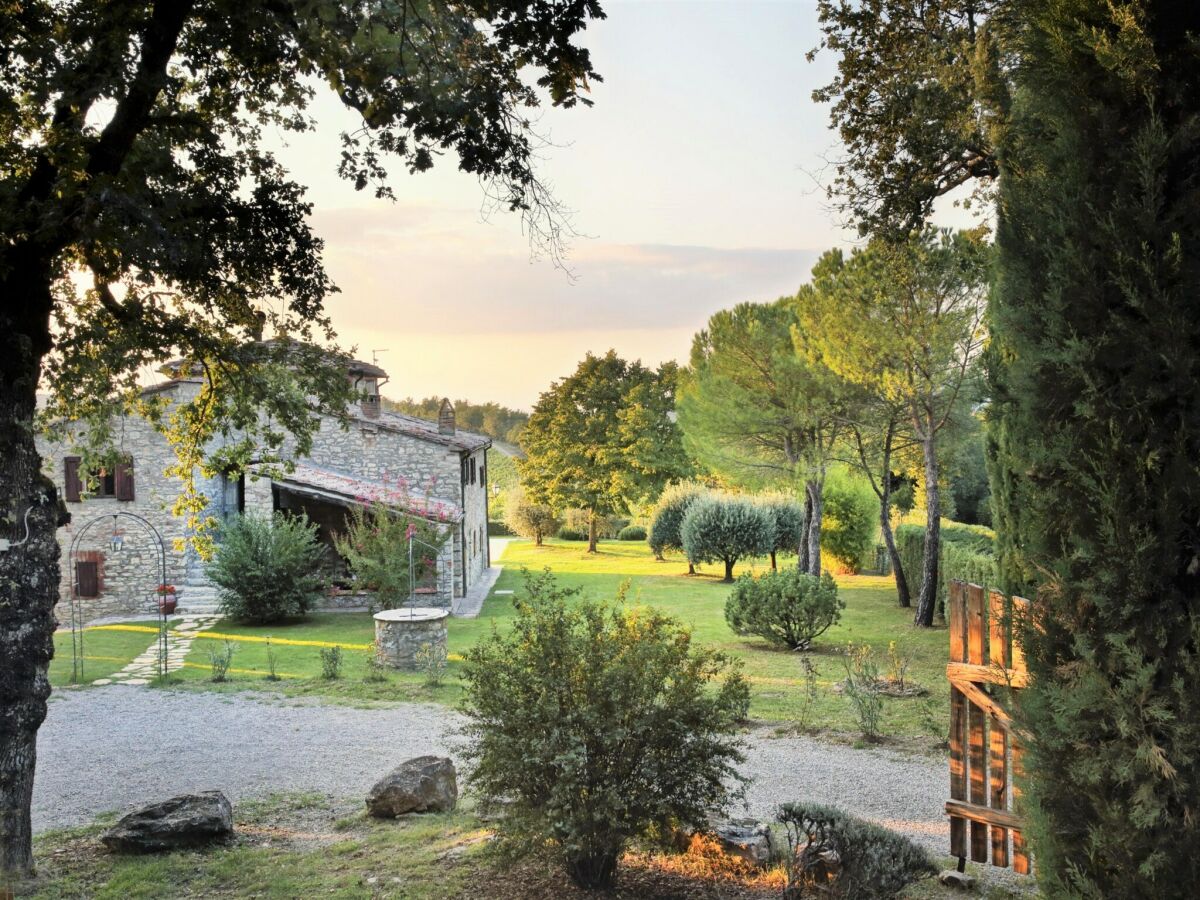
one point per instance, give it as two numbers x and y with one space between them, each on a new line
132 153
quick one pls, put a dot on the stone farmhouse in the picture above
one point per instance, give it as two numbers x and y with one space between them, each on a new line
111 563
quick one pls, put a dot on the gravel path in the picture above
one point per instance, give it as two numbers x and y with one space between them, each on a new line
114 747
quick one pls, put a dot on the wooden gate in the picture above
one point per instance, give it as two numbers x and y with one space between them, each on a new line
985 746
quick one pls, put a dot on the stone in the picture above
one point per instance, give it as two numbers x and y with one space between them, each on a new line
189 820
955 879
423 784
747 839
401 633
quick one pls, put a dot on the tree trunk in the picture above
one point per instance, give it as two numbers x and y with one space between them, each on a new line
814 488
593 871
729 570
29 571
691 568
889 539
774 568
802 549
592 532
929 565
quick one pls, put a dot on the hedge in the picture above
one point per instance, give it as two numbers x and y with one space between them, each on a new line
967 554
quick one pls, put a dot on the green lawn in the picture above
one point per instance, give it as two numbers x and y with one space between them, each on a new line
104 652
871 617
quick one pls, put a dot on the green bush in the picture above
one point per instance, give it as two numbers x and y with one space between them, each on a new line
572 534
726 528
331 663
788 608
668 515
851 519
787 515
592 726
632 533
966 554
375 547
835 854
269 569
530 520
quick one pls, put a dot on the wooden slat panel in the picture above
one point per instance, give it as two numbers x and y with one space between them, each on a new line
958 773
998 790
998 640
974 624
982 814
976 777
1020 861
1020 613
958 621
986 674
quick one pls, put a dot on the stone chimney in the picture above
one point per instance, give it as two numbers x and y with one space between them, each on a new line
446 417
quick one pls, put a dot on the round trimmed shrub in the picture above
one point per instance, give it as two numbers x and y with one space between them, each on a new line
726 529
668 516
269 569
594 727
789 608
787 514
632 533
572 534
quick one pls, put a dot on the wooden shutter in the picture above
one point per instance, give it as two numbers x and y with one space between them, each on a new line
123 480
87 578
72 486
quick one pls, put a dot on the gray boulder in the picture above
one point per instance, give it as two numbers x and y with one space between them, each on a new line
424 784
190 820
745 838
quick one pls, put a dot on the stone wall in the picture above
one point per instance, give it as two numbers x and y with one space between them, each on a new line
129 577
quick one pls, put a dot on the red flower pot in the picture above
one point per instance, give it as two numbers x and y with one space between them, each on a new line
167 604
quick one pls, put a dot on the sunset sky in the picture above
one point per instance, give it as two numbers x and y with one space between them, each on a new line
695 181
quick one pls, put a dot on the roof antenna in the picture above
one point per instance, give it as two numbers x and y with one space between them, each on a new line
375 356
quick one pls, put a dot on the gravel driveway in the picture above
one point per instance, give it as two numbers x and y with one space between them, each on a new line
114 747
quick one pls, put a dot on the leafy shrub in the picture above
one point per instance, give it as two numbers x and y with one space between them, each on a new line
851 519
835 854
787 515
375 670
592 724
530 520
789 608
220 658
665 527
632 533
375 547
726 528
331 662
572 534
966 554
269 569
863 688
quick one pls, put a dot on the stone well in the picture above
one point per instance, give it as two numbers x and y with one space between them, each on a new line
400 633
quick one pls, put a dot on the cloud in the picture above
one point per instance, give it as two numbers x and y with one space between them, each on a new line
442 271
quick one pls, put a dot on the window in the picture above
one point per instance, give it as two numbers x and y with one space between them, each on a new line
115 482
472 470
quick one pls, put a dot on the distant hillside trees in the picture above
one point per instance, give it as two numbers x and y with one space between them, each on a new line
492 419
603 439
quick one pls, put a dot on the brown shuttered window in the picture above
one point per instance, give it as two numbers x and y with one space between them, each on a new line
72 486
87 579
123 480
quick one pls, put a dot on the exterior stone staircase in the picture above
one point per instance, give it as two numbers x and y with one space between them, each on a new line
197 595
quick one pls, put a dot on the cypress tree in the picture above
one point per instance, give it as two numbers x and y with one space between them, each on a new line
1095 435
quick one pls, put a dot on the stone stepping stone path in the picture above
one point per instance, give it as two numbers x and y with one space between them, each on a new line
179 641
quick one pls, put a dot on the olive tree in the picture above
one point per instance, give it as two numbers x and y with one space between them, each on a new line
726 529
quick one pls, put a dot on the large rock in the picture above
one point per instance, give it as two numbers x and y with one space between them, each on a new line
424 784
190 820
745 838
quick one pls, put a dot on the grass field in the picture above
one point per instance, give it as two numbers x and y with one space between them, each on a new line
775 676
306 845
104 652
